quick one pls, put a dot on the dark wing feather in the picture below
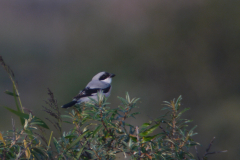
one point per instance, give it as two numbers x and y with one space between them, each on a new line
86 92
70 104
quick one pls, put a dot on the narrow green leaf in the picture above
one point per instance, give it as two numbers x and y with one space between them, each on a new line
92 100
180 113
123 100
55 142
145 125
148 138
177 104
133 114
135 100
17 105
26 116
113 114
169 140
130 143
148 131
10 93
67 122
85 128
77 140
191 131
164 108
134 139
70 136
96 130
80 152
66 116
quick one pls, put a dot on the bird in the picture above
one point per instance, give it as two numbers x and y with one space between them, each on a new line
100 82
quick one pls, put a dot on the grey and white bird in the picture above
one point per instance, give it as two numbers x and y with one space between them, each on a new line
100 82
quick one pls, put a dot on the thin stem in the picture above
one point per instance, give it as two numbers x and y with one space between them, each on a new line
138 141
197 153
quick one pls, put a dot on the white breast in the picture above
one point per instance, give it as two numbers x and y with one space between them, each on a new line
107 80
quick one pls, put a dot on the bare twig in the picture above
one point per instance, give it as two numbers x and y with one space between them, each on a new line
209 147
197 153
210 144
217 152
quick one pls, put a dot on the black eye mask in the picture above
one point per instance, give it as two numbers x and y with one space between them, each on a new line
104 76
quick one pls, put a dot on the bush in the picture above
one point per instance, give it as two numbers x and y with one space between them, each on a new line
99 132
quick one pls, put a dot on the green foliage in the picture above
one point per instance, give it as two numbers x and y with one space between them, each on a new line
100 132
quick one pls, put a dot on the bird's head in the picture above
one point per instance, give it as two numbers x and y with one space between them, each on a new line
104 76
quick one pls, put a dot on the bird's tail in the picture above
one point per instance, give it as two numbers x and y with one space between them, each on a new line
70 104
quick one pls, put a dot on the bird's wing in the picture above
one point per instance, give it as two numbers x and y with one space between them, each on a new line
95 87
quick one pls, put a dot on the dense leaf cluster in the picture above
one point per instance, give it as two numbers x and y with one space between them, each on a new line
98 132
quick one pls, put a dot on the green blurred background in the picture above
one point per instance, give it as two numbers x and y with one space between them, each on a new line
158 50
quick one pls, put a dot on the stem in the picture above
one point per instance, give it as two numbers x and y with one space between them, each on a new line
173 125
14 142
138 141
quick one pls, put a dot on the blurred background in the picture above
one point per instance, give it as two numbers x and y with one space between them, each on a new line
158 50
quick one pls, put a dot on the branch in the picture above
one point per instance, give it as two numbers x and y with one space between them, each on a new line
138 140
197 153
209 146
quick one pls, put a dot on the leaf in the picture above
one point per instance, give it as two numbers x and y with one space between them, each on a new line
123 100
191 131
55 142
128 97
27 151
2 139
177 104
17 105
134 139
145 125
66 116
93 100
135 100
148 131
77 140
179 114
113 114
148 138
26 116
169 140
85 128
130 143
96 130
133 114
164 108
80 152
10 93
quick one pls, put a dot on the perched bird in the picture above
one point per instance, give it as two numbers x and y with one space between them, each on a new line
100 82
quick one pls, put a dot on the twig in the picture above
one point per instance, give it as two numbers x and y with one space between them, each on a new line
14 142
209 146
101 115
97 154
138 141
217 152
197 153
23 151
13 125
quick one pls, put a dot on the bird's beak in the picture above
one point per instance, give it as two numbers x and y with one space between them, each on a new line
112 75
